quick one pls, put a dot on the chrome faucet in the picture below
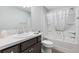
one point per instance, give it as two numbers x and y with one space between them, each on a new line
73 33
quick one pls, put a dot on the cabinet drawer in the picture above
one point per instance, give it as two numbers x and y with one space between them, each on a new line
28 43
34 49
13 49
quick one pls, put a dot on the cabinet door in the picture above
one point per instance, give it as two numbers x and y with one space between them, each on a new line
34 49
25 45
0 51
27 50
14 49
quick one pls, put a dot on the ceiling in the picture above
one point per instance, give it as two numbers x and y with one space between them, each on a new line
57 7
28 9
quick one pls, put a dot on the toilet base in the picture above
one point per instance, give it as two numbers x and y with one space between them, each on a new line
49 50
46 50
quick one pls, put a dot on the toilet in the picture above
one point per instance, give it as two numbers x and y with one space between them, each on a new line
47 46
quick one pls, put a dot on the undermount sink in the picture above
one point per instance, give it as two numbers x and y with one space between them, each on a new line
23 35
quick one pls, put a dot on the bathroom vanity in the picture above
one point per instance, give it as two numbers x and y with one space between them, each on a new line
29 44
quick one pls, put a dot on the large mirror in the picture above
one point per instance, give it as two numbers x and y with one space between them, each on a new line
15 19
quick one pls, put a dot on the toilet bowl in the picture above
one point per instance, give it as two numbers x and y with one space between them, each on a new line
48 46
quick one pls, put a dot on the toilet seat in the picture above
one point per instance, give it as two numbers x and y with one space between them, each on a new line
47 43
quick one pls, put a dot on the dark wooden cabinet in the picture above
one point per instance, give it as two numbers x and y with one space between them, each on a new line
29 46
27 50
13 49
33 46
28 43
34 49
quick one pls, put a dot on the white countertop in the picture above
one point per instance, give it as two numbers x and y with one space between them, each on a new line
13 40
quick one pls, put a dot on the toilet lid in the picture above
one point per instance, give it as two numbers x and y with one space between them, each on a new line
47 42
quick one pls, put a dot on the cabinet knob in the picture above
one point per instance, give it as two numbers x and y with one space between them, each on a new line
12 52
31 50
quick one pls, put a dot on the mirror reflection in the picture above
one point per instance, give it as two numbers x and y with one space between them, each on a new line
15 19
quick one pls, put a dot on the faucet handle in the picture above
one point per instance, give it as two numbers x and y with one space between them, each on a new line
73 33
73 37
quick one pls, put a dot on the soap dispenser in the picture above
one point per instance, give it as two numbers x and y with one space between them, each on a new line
4 33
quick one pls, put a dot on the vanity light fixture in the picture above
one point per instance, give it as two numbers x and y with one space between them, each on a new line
26 6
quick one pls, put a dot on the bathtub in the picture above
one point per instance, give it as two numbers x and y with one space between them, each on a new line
62 46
